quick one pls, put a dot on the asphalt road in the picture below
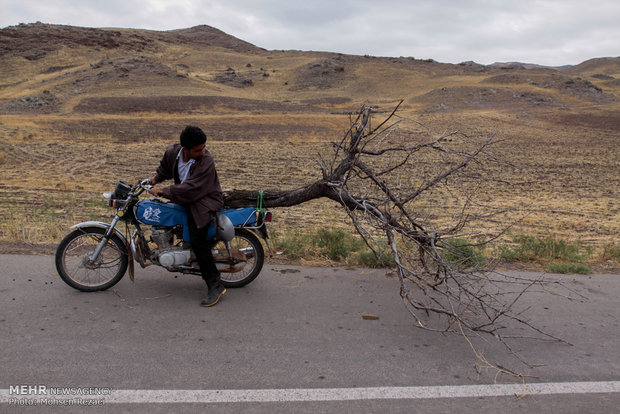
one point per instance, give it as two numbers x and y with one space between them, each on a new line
298 339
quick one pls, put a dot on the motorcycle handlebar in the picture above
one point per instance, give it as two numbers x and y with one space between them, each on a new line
145 184
142 186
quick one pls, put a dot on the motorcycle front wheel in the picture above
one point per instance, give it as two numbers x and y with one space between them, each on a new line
248 258
78 271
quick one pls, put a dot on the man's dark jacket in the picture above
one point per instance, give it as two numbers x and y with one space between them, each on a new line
200 193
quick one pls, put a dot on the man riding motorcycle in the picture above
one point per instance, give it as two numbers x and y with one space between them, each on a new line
197 188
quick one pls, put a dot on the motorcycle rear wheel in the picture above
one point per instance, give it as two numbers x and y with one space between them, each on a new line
247 242
76 269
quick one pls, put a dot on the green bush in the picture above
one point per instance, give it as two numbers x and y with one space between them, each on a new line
293 245
463 254
564 267
611 252
367 258
532 248
336 245
562 256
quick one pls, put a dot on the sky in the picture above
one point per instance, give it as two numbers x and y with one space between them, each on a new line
546 32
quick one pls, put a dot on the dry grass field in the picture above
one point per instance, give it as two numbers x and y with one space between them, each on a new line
82 108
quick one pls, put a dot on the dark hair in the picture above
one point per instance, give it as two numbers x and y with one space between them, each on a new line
192 136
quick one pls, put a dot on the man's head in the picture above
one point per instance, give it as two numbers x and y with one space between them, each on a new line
193 142
192 136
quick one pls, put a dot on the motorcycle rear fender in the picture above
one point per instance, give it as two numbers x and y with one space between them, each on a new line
101 225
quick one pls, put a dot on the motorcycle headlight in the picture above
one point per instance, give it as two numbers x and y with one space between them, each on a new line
121 191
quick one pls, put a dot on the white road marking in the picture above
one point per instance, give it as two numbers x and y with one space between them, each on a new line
333 394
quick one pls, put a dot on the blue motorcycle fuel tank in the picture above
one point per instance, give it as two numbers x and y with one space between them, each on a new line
155 212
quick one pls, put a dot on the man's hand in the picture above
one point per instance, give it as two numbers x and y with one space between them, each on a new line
155 191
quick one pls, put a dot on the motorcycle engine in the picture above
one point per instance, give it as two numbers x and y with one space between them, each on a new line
163 237
168 254
174 258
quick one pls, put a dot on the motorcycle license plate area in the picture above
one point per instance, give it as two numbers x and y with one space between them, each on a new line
159 213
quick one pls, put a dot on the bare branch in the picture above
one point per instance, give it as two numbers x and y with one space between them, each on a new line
398 183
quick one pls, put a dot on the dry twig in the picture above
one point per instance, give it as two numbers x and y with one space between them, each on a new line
393 179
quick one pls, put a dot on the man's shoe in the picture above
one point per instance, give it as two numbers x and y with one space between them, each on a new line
213 297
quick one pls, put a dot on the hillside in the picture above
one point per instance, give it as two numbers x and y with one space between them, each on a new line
72 70
64 88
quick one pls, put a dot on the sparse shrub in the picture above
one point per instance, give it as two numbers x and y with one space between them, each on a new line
293 244
611 252
367 258
463 254
532 248
564 267
336 245
560 255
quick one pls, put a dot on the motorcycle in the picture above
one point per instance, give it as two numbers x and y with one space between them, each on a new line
96 255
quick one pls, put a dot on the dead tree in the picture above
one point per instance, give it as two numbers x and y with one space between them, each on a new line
418 195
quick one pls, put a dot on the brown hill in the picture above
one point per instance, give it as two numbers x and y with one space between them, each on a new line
72 64
53 69
607 65
35 41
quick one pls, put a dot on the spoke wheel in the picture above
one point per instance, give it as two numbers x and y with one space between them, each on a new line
78 271
246 263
